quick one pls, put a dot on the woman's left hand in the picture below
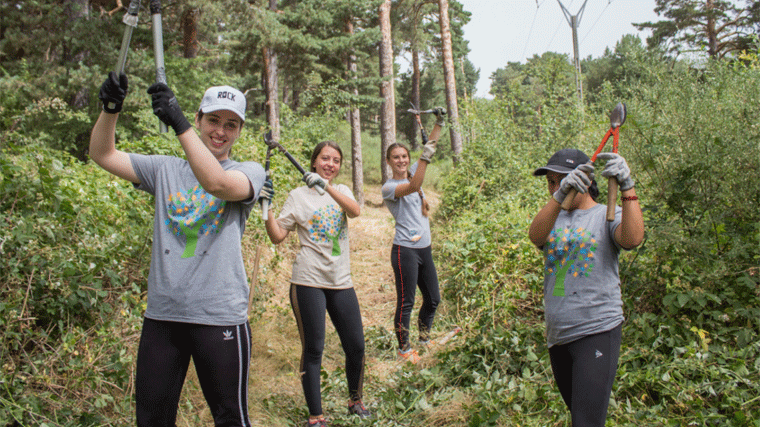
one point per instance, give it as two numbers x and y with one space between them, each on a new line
617 168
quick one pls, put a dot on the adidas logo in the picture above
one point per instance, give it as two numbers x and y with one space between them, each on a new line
599 354
227 335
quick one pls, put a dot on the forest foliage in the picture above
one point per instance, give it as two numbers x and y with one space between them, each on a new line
75 241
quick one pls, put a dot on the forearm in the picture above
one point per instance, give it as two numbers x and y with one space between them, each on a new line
543 223
630 232
435 133
276 233
415 182
103 136
349 205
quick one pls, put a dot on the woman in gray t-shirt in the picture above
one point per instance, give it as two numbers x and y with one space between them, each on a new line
583 305
411 254
197 286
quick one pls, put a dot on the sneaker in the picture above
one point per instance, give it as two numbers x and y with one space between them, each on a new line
322 422
410 355
358 408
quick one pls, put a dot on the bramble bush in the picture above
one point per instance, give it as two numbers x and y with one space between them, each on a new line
691 290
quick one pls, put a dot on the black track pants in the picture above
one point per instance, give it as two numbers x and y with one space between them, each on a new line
585 370
413 267
309 306
221 355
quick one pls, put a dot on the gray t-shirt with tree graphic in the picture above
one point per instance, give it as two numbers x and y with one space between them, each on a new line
581 280
196 269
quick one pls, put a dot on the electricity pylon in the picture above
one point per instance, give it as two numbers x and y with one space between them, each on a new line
574 21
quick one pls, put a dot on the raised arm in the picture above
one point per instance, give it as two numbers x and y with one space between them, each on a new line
226 185
630 232
103 137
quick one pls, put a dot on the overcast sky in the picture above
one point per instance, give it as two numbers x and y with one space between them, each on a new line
502 31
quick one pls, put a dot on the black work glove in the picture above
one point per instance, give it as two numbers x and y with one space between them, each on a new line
166 108
113 91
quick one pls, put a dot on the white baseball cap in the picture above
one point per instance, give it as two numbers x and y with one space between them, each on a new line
224 98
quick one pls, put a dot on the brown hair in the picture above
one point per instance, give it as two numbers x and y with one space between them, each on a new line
318 149
425 204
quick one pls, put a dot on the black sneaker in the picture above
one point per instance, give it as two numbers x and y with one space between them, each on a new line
358 408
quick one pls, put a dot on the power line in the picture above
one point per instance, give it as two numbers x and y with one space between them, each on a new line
597 20
527 39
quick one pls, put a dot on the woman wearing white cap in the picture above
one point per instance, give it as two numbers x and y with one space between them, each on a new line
197 286
583 305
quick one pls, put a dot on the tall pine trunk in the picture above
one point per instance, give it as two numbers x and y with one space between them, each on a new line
190 32
357 167
388 108
270 80
451 85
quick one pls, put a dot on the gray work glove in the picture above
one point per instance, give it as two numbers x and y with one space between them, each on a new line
428 150
267 191
113 91
312 179
617 168
440 114
578 179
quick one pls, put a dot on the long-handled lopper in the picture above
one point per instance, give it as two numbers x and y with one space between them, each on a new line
435 133
617 118
130 22
270 142
158 48
265 202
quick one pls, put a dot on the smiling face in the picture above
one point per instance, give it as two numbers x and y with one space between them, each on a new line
398 160
218 130
327 163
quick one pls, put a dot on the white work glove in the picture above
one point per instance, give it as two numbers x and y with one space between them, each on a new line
578 179
312 179
440 114
428 150
617 168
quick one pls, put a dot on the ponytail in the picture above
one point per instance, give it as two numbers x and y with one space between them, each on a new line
425 204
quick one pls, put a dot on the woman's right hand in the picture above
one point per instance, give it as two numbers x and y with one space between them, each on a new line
579 179
113 91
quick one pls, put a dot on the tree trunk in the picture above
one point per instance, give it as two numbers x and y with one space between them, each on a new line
415 95
388 108
451 86
190 32
270 78
712 37
357 166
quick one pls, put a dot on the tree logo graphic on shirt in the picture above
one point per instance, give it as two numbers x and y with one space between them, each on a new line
328 224
192 214
569 252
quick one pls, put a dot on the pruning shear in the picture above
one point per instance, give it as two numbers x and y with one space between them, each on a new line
617 118
265 202
271 143
414 110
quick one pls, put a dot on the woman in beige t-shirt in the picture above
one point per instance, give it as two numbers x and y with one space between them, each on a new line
321 278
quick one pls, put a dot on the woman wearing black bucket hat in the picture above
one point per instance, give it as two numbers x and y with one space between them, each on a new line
583 305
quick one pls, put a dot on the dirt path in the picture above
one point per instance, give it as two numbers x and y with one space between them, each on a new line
276 345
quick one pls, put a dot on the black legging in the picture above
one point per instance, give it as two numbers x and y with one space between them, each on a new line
309 306
413 267
585 370
221 355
